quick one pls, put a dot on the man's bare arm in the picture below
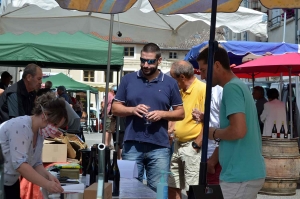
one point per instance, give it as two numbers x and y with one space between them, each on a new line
237 128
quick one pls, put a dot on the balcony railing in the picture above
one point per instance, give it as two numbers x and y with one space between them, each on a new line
274 22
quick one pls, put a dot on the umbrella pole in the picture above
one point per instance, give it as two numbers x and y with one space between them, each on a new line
107 75
253 80
290 99
203 190
100 189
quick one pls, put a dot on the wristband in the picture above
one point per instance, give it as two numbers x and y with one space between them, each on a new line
216 139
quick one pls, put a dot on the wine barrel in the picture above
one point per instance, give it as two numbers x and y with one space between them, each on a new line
279 187
282 161
280 147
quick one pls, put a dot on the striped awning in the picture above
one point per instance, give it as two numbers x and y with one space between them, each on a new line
168 7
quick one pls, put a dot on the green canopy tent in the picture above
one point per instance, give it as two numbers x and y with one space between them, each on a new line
62 50
69 83
72 85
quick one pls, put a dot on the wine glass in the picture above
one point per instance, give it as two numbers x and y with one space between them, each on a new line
147 122
197 108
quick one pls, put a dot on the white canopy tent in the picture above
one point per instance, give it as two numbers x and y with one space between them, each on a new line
37 16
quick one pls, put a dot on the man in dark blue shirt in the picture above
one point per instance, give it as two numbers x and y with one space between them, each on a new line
61 92
145 98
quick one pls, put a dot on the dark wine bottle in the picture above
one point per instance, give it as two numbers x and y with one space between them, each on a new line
108 168
282 130
116 176
289 131
95 163
90 170
274 130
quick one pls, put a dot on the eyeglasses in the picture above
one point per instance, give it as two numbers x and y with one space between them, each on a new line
149 61
43 112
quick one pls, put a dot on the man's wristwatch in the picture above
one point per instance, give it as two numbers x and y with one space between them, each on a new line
195 146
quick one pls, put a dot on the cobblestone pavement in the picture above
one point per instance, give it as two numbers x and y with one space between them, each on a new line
94 138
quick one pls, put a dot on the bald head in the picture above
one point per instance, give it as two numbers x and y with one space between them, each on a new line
182 67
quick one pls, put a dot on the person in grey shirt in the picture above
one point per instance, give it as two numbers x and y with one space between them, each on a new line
259 95
21 140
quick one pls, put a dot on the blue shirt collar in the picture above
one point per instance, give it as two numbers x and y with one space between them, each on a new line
160 77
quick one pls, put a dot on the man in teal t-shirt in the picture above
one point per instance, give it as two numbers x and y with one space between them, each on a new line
240 150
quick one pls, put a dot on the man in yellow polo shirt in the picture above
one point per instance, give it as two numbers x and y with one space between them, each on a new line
185 161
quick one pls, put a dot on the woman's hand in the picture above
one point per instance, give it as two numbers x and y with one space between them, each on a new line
54 187
52 178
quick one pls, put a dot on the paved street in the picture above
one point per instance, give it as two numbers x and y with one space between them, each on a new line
94 138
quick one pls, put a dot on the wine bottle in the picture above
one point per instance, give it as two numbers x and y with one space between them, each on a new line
116 176
90 170
289 131
95 163
282 130
274 130
107 164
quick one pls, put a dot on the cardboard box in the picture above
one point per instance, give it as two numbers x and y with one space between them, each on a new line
91 191
70 173
54 151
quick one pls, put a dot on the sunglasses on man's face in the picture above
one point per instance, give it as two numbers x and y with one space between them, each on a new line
149 61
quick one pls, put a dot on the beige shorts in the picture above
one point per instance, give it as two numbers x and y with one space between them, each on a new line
185 165
241 190
110 124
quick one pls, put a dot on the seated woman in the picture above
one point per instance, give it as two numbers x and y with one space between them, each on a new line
22 138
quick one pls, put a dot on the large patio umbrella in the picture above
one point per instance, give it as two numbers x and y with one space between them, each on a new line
182 7
288 63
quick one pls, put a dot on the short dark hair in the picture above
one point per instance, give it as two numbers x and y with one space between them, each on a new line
30 69
5 74
221 56
48 84
273 93
54 108
260 89
152 48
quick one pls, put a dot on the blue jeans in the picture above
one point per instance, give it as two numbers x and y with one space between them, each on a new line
151 157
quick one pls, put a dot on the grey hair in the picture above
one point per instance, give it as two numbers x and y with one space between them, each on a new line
48 84
183 68
30 69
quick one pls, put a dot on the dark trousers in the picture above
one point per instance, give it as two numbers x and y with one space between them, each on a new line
13 191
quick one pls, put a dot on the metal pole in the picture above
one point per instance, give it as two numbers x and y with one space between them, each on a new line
290 100
280 87
117 123
97 110
212 45
296 26
253 79
284 27
88 99
107 74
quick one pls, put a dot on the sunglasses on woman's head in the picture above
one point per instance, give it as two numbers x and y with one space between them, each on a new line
149 61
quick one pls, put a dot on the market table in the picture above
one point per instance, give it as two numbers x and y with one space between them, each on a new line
134 189
129 189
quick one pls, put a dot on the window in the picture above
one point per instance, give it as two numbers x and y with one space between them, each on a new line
172 55
88 75
129 51
126 72
111 76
